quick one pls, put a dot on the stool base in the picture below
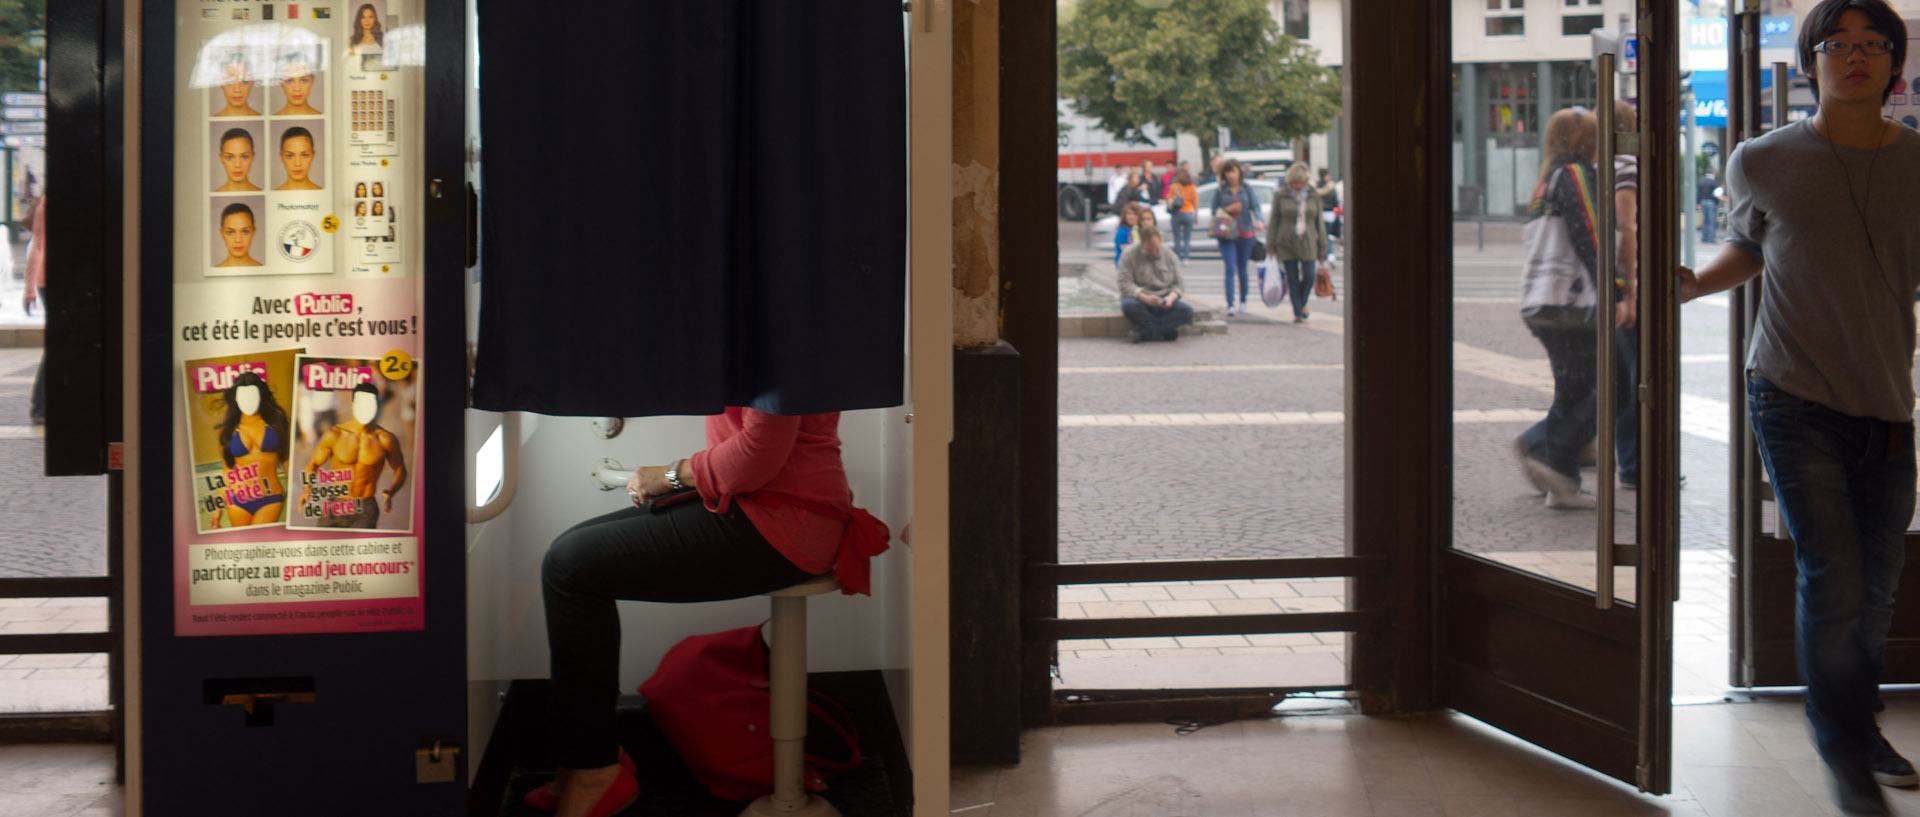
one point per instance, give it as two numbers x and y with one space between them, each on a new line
815 806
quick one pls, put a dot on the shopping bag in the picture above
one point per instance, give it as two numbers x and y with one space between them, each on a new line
710 696
1273 290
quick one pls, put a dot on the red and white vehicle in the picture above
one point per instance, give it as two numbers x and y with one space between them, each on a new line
1088 156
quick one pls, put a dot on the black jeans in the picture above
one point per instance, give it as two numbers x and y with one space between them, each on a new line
1300 280
683 554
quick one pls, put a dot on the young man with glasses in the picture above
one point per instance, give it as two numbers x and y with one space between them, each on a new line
1824 207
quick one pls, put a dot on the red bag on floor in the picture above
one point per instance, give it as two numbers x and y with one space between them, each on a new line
710 695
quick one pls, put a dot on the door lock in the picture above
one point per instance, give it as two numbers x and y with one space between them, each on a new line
436 763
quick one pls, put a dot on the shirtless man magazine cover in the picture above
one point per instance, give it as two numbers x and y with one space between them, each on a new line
353 447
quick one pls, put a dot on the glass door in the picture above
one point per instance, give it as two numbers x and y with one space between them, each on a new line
1555 593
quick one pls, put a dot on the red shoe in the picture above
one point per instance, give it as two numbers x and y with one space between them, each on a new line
545 798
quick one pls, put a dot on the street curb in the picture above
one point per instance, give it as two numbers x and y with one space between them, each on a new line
1206 319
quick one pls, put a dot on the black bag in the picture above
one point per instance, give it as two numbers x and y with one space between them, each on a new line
1176 204
1259 251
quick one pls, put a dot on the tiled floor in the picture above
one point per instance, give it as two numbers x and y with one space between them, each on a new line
59 780
59 682
1734 760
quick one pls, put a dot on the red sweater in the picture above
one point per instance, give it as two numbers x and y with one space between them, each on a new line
788 473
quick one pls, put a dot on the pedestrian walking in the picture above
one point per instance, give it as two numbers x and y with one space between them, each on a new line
1823 207
1235 201
1549 451
1296 235
1135 189
1706 197
1150 182
1626 359
36 291
1187 194
1330 202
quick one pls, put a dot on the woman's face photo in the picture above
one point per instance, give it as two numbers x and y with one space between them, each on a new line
378 190
297 154
237 92
297 88
366 21
236 231
360 190
379 209
236 156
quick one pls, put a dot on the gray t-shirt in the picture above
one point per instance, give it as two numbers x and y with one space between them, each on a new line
1836 326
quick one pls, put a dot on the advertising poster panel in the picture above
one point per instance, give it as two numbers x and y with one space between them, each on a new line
296 319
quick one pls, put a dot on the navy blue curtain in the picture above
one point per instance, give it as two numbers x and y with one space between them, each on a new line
692 204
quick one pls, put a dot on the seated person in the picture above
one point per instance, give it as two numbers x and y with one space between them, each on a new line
1151 289
769 508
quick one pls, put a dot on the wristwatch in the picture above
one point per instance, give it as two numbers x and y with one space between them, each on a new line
673 476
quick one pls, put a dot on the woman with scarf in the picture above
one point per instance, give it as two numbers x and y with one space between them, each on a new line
1296 235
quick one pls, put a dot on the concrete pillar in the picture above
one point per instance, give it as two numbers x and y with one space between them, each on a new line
976 173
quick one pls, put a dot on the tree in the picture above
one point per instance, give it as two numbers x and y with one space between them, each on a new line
19 56
1192 66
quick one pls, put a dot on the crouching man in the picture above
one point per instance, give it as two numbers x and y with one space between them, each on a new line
1150 290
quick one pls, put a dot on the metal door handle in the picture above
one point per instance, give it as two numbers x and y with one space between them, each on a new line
1606 259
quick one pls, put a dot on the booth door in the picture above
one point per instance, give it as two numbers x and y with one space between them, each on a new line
301 609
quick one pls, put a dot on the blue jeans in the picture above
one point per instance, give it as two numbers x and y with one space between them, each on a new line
1626 409
1183 234
1569 425
1238 255
1709 213
1299 284
1157 322
1846 487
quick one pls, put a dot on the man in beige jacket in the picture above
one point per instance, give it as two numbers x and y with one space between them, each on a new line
1151 290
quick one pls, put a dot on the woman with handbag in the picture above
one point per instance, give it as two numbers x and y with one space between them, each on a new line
1549 452
764 506
1297 237
1182 210
1236 220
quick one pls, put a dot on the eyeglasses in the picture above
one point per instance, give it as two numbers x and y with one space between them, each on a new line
1841 48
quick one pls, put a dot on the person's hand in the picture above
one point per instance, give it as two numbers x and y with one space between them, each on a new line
1171 297
637 486
1624 313
26 301
648 481
386 502
1689 283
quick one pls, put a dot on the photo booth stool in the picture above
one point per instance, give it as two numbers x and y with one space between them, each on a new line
787 672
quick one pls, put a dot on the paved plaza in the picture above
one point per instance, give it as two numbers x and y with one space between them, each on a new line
1231 444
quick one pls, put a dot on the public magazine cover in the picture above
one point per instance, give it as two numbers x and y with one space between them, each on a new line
237 436
353 443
